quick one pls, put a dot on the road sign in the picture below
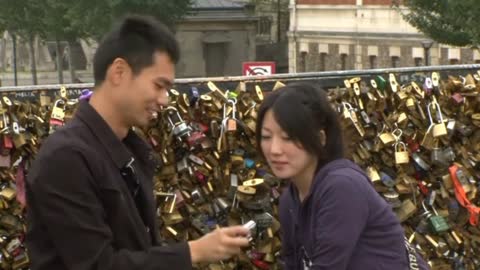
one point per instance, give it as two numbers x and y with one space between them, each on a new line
258 68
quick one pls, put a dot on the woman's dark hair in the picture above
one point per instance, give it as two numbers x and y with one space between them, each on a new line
302 110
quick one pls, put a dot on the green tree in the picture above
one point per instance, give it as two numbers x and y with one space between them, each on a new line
450 22
70 20
96 17
22 18
59 27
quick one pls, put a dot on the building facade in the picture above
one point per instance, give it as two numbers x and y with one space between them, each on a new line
360 34
215 39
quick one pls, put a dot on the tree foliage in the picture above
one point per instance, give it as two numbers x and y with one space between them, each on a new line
450 22
95 17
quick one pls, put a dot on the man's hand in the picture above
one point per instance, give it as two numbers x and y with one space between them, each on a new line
219 245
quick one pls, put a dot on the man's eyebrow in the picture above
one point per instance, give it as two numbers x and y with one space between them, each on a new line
168 83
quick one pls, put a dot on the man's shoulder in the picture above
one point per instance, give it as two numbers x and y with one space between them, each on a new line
73 138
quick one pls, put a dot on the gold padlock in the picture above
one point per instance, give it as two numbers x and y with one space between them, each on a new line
278 85
58 111
373 174
253 182
258 93
401 153
393 82
410 103
439 129
435 79
247 190
387 138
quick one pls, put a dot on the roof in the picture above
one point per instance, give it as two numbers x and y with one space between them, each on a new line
219 4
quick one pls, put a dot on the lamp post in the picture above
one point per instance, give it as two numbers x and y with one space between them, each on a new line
427 44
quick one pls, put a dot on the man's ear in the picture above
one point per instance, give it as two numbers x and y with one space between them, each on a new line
323 137
118 71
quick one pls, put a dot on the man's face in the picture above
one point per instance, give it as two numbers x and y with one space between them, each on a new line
142 95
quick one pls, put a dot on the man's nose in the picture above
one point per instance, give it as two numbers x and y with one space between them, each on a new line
162 99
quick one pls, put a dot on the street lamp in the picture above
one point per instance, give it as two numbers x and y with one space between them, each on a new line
427 44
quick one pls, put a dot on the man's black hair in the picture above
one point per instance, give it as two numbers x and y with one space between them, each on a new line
134 39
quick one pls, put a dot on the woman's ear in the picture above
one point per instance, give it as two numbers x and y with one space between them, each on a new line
323 137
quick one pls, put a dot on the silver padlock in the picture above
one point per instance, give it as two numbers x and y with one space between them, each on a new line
179 127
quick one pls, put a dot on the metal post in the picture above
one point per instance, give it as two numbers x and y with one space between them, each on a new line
15 77
427 44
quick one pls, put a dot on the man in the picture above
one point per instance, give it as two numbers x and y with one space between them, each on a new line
90 192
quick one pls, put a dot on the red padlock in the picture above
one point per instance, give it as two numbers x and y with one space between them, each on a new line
261 264
413 145
201 177
458 98
196 138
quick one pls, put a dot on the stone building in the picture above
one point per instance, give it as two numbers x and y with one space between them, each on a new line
360 34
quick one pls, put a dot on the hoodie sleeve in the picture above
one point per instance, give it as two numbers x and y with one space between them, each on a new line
286 232
340 217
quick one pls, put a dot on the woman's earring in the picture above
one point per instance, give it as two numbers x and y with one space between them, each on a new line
323 138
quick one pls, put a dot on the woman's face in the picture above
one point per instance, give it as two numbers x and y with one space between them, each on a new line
287 159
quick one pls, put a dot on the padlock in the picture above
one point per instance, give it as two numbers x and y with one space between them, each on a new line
439 129
393 83
428 141
406 210
401 153
179 128
58 111
438 224
437 157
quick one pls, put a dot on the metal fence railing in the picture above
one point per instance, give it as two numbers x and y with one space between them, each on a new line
327 79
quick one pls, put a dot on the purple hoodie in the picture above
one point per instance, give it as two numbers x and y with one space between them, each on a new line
343 224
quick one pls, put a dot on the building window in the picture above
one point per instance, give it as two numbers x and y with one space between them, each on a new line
343 61
395 61
264 26
373 61
215 55
418 61
303 61
454 61
323 62
477 61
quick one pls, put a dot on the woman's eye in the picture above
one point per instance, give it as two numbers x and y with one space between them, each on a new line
286 138
265 137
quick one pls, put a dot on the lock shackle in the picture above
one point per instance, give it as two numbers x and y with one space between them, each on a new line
397 134
233 102
439 112
427 212
4 116
15 128
347 106
428 83
171 108
383 129
59 101
402 144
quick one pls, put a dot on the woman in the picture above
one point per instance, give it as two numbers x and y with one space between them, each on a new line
331 216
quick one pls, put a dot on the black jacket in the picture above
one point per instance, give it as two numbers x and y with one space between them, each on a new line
82 214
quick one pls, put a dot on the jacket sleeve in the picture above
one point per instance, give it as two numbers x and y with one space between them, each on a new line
287 252
341 214
63 196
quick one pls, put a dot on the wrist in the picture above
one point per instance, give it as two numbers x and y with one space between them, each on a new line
194 251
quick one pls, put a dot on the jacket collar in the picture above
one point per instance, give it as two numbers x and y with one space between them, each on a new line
116 149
